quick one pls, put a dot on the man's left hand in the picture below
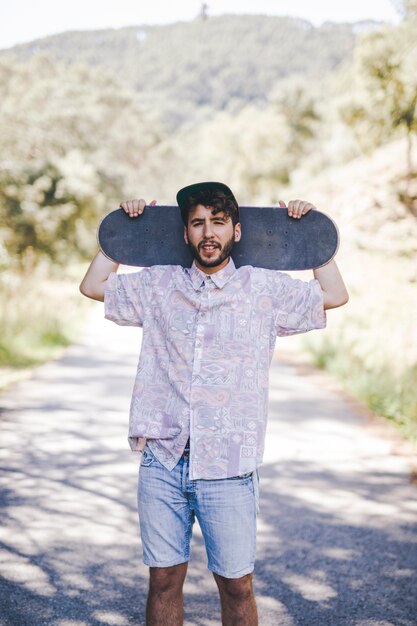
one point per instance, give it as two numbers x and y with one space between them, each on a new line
297 208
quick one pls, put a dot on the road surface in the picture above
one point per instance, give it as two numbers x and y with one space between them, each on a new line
337 540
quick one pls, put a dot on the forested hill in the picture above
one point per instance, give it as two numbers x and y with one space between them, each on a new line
217 63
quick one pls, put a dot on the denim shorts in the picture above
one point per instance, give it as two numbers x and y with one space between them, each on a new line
226 509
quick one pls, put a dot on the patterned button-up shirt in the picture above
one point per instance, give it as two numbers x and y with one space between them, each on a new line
204 364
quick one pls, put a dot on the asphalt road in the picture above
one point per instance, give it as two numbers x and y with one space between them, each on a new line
337 531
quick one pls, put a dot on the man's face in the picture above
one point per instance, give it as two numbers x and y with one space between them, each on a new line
210 238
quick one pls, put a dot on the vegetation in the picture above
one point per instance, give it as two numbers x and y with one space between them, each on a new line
88 119
385 63
371 344
35 325
67 155
67 152
188 69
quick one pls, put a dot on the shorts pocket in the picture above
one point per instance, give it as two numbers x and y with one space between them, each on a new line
147 457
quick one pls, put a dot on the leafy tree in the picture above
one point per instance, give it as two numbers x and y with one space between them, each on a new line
45 216
302 119
385 93
71 142
249 149
408 8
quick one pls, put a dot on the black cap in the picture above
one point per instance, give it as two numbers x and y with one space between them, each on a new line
185 192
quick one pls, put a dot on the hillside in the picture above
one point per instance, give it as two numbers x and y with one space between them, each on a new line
180 68
371 344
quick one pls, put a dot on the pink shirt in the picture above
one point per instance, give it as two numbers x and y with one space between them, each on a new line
207 346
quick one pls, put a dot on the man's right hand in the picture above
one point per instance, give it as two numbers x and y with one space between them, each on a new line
134 208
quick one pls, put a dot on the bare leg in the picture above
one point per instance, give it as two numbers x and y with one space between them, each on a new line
237 601
165 605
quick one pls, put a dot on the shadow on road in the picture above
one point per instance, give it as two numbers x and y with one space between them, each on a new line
337 533
326 565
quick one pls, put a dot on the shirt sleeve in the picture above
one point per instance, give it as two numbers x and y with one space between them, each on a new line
124 298
299 306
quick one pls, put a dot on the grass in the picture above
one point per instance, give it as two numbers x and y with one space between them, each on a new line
40 316
388 393
371 343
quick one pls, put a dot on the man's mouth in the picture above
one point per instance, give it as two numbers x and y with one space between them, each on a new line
209 247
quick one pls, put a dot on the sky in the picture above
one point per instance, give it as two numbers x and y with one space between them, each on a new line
25 20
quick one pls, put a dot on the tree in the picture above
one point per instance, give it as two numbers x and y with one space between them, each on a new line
299 111
408 8
72 141
49 213
385 94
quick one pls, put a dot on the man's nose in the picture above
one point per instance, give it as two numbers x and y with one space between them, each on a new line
207 230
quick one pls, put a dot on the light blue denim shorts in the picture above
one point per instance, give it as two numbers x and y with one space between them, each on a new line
226 510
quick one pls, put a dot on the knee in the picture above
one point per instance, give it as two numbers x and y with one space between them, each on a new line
237 589
167 579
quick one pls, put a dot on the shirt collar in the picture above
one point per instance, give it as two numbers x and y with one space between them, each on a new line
219 278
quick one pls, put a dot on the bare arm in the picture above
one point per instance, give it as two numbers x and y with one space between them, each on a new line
101 267
334 290
93 282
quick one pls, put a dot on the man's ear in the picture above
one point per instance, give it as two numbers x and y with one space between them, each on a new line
238 232
185 235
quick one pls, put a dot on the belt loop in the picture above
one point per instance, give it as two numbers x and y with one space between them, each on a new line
255 481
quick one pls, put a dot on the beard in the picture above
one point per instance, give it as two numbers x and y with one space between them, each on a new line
225 252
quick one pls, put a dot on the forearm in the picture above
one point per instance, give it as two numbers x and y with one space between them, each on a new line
93 282
334 291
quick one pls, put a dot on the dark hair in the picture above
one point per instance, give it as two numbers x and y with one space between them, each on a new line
216 199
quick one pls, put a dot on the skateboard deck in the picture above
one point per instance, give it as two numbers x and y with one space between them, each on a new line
270 238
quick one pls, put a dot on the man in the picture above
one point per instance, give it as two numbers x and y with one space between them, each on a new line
199 404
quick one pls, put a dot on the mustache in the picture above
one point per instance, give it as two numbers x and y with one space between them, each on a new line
208 242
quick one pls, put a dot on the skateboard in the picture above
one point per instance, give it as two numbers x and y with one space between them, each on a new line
270 238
